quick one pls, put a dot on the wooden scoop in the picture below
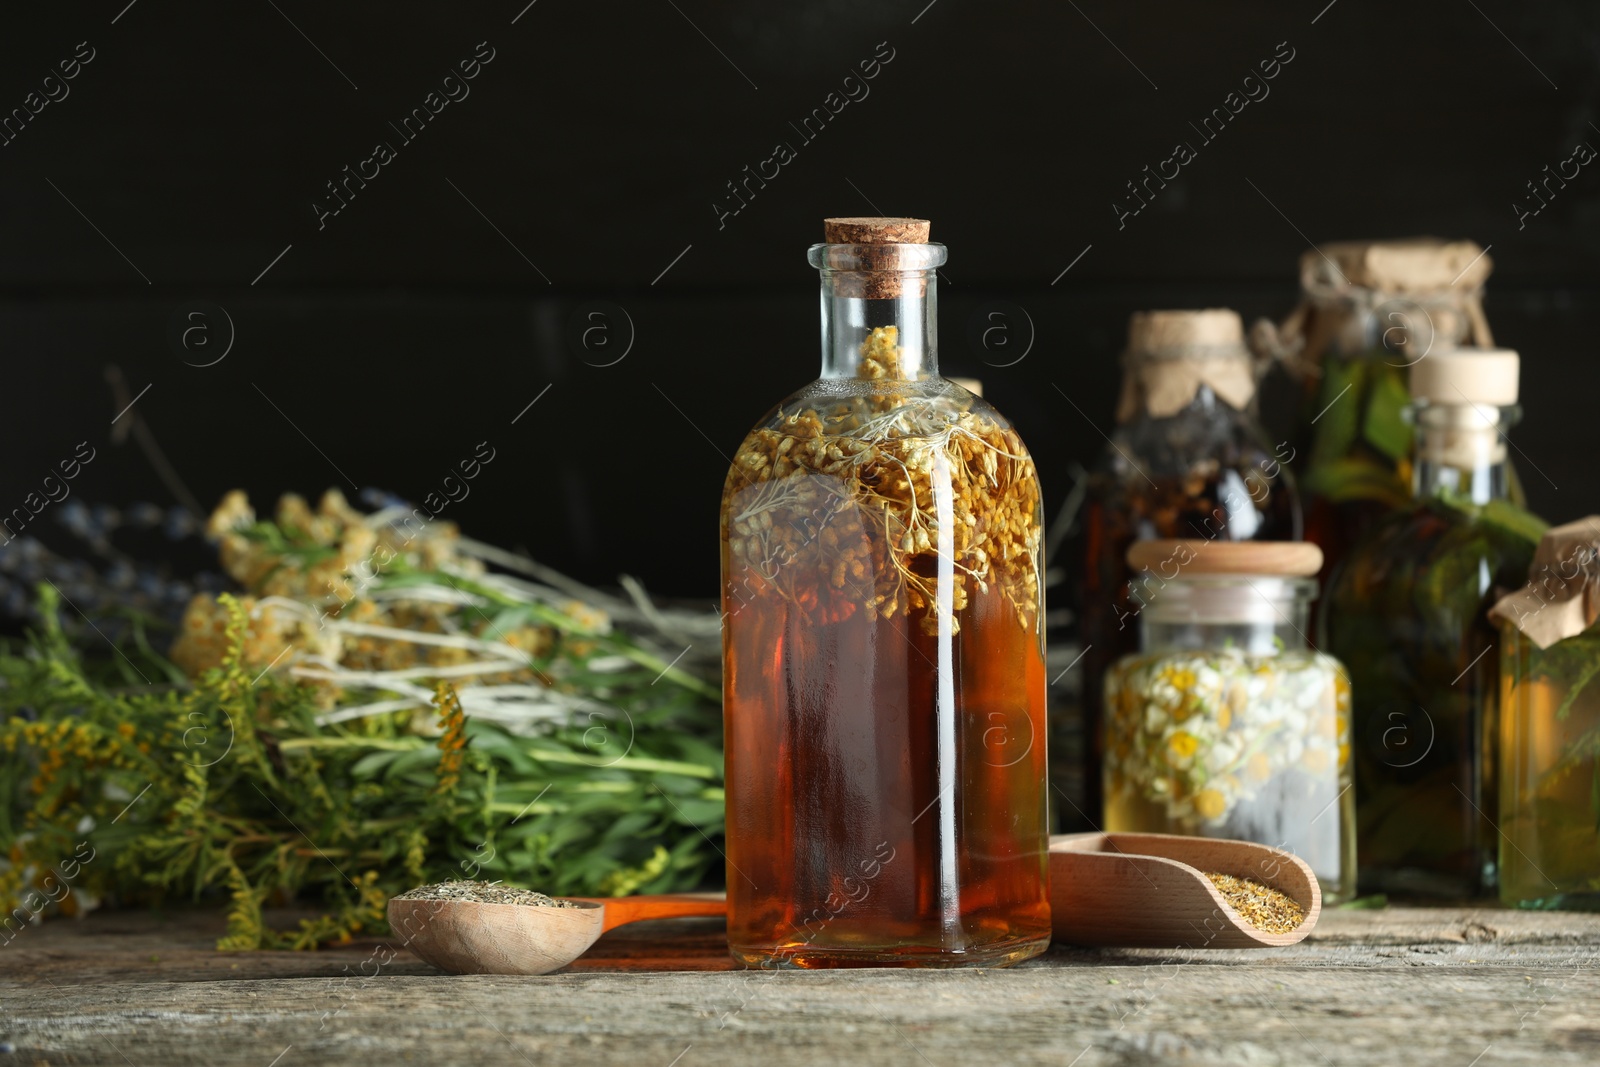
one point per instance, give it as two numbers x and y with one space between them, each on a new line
468 937
1148 891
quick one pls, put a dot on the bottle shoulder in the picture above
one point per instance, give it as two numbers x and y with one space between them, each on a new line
1205 471
928 442
933 410
1432 528
888 500
1196 444
1197 429
1431 552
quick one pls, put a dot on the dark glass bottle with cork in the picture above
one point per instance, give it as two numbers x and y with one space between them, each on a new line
1187 460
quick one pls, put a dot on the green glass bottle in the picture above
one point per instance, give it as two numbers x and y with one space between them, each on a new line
1407 614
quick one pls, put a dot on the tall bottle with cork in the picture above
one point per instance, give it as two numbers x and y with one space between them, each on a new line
1187 460
883 647
1407 614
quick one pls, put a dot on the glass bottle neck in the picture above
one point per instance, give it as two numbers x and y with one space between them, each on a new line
1461 451
856 319
879 318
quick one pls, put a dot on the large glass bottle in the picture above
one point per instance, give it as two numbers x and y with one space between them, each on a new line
1406 613
884 685
1368 311
1187 460
1550 725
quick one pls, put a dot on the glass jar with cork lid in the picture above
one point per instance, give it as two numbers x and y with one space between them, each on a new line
1225 723
884 685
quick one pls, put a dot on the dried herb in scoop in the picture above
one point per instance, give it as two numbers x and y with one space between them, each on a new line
1261 906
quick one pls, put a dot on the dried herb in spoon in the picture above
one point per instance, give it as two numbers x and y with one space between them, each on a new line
485 893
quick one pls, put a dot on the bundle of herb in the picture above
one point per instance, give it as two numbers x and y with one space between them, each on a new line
381 711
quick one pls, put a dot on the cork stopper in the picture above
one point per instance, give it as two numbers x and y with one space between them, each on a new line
1467 376
880 258
1177 558
875 231
1412 265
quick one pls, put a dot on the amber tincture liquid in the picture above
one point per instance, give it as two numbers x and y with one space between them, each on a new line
884 683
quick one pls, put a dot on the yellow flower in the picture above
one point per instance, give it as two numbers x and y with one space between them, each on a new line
1179 678
453 720
1259 769
1182 746
1210 803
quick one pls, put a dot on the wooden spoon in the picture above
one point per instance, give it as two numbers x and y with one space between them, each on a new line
468 937
1148 891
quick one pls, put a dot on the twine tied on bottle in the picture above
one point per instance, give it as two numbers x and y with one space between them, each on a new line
1409 296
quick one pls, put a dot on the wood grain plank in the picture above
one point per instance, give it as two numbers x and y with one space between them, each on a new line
1442 985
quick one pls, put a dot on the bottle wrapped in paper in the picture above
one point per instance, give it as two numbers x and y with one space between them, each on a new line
1408 295
1171 354
1562 597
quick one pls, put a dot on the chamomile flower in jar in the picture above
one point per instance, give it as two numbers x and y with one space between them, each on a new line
1225 723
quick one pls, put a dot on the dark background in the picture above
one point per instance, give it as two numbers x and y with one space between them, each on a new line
422 319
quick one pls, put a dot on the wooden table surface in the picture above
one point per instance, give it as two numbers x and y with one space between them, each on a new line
1462 987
